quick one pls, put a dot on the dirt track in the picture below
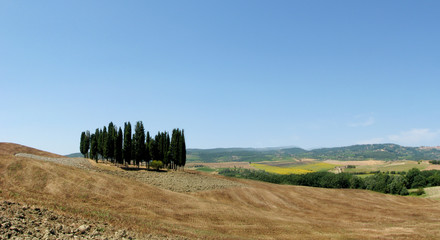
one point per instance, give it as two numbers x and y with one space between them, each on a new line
73 162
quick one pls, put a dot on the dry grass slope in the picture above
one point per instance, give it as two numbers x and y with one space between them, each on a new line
256 211
12 149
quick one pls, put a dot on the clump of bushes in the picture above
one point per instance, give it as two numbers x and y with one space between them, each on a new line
156 165
420 191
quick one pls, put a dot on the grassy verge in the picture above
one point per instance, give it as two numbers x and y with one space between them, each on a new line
206 169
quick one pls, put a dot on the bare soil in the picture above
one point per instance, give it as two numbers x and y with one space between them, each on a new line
433 167
19 221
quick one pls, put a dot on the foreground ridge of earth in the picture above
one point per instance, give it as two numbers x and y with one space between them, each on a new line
21 221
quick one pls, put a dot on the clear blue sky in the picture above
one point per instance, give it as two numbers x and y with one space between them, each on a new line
231 73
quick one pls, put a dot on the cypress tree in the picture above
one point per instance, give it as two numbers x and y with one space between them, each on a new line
174 149
153 150
147 149
82 143
87 143
111 137
127 143
100 139
168 152
118 147
133 149
97 139
158 139
182 149
165 146
94 147
139 140
105 143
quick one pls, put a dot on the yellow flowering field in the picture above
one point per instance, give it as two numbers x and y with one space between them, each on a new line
295 169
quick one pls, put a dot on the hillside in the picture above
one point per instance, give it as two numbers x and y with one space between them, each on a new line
248 210
12 149
387 152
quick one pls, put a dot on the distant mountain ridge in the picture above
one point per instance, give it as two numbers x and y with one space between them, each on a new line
387 152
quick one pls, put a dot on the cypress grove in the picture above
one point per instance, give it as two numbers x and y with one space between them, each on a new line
125 148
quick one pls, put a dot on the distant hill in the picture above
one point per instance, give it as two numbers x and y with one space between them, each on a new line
387 152
74 155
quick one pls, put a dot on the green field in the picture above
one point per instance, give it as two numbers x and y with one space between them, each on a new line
206 169
396 166
432 192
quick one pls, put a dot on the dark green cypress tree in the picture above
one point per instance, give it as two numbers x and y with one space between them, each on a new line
105 149
168 152
127 143
100 139
82 143
168 142
139 140
87 143
164 146
182 149
153 150
94 147
147 149
158 139
111 138
179 149
118 147
133 149
174 149
97 139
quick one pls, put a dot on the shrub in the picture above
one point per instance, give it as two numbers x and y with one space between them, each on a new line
156 165
404 191
419 181
420 191
434 180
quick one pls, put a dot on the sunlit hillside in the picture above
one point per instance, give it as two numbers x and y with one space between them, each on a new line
243 209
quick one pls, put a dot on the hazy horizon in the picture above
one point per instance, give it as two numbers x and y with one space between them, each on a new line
281 147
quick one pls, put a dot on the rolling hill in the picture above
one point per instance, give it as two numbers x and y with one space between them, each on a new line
250 210
387 152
